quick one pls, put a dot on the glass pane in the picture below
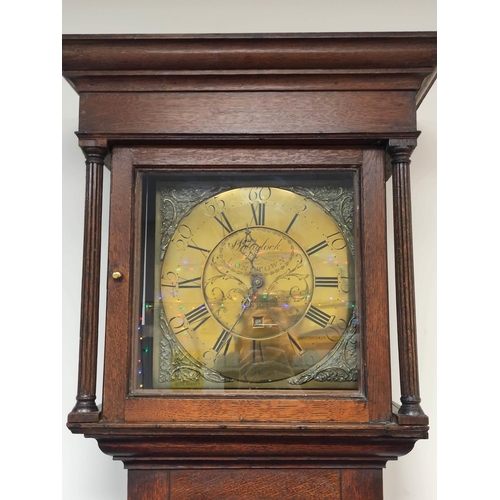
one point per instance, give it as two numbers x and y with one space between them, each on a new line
248 283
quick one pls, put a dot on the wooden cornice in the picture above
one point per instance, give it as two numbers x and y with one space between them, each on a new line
241 62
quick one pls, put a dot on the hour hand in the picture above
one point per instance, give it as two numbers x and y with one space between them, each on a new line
249 247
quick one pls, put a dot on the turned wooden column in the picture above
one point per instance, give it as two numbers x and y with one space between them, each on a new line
86 406
400 151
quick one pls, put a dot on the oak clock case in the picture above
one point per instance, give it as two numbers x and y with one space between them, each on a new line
247 349
254 283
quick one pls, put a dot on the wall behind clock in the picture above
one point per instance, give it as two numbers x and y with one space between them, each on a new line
87 472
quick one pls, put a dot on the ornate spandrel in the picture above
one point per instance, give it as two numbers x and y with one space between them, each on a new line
176 365
175 204
340 364
339 203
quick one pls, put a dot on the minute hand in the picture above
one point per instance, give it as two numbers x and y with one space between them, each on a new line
247 302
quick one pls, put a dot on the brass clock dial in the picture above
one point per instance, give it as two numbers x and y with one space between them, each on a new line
256 285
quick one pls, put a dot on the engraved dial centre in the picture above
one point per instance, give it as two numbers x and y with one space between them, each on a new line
266 273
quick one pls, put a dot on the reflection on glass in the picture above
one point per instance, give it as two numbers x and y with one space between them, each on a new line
248 286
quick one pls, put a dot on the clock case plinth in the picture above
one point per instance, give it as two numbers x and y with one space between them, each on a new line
252 101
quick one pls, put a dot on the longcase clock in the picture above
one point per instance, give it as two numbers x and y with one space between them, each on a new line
247 314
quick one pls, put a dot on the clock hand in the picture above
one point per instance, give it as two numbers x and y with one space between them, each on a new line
247 302
257 282
249 248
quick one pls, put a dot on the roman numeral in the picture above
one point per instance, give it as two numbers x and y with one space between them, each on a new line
326 282
191 283
225 224
291 223
259 215
318 316
335 241
223 342
295 344
257 351
198 315
316 248
202 250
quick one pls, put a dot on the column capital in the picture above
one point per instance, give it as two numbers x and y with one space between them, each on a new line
95 150
400 150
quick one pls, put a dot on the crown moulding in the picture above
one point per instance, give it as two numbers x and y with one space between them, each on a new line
257 62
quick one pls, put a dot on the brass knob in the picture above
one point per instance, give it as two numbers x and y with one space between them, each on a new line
117 275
